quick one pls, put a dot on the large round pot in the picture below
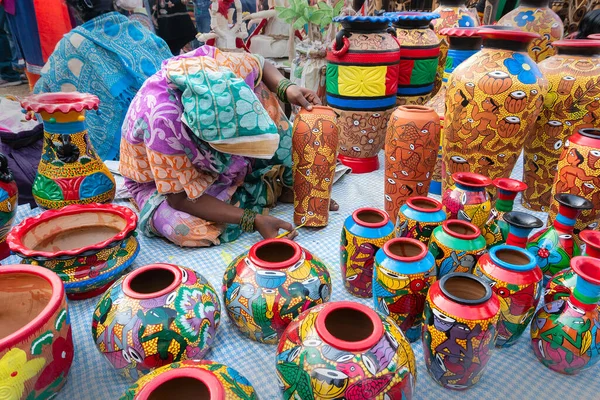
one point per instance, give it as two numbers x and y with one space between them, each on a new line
571 104
9 199
418 217
536 16
267 287
459 331
363 234
36 343
88 245
514 276
492 102
411 146
362 79
345 350
154 316
191 379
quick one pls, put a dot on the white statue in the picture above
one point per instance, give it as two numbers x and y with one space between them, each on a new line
225 34
272 35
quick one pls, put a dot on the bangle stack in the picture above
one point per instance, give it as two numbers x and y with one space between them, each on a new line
282 88
247 221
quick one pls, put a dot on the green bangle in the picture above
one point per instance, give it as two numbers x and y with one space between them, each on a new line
247 220
282 88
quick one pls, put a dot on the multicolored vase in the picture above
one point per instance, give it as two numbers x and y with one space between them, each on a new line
492 102
536 16
554 246
154 316
70 170
87 245
404 271
496 229
459 331
314 152
363 234
420 50
514 276
268 286
362 80
468 199
571 104
579 174
9 199
564 333
411 145
345 350
456 247
418 217
190 379
517 227
36 347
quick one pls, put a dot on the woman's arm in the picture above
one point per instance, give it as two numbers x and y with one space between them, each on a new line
296 95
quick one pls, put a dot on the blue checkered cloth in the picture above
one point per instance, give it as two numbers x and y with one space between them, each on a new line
513 373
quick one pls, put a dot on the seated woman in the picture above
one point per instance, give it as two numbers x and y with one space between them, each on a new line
206 147
108 56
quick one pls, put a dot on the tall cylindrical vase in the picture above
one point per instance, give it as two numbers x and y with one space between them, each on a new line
501 91
314 151
410 154
362 80
571 104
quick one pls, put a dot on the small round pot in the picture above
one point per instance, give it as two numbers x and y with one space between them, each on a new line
88 246
419 217
468 199
404 271
345 350
192 379
456 247
514 276
267 287
179 304
459 331
36 343
363 234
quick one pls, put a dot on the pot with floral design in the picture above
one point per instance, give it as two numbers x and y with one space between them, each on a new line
154 316
418 217
36 343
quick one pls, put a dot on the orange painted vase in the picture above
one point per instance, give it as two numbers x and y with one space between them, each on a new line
500 91
411 148
571 104
536 16
314 151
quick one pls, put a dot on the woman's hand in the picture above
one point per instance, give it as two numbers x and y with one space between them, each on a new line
269 226
302 97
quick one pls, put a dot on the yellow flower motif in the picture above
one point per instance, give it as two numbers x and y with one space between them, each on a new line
14 371
362 81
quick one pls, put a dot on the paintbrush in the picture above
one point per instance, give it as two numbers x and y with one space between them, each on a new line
284 234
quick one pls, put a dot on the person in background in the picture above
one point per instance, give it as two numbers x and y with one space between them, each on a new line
202 15
8 75
590 24
174 23
108 56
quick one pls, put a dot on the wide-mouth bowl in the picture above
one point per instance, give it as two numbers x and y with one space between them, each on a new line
72 231
19 284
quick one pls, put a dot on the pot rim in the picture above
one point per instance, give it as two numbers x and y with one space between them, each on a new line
434 202
318 107
587 268
578 43
531 264
465 236
414 108
475 180
460 32
513 35
384 222
593 36
573 201
407 259
510 185
522 219
174 269
15 237
590 238
54 303
275 265
60 102
488 290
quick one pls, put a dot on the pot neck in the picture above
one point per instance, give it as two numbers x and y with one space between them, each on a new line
411 24
365 27
578 51
503 44
453 3
469 43
566 218
517 236
535 3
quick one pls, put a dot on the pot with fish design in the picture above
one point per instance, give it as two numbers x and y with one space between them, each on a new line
418 217
468 199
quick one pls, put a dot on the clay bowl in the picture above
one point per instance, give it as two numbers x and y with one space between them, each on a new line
89 246
36 343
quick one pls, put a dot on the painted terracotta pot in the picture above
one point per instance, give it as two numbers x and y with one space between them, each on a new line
459 331
418 217
514 276
573 321
492 102
192 379
404 272
554 246
363 234
574 78
70 171
496 229
88 245
579 174
536 16
267 287
420 50
362 80
314 152
468 199
456 247
9 199
410 154
179 304
36 343
317 352
517 226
